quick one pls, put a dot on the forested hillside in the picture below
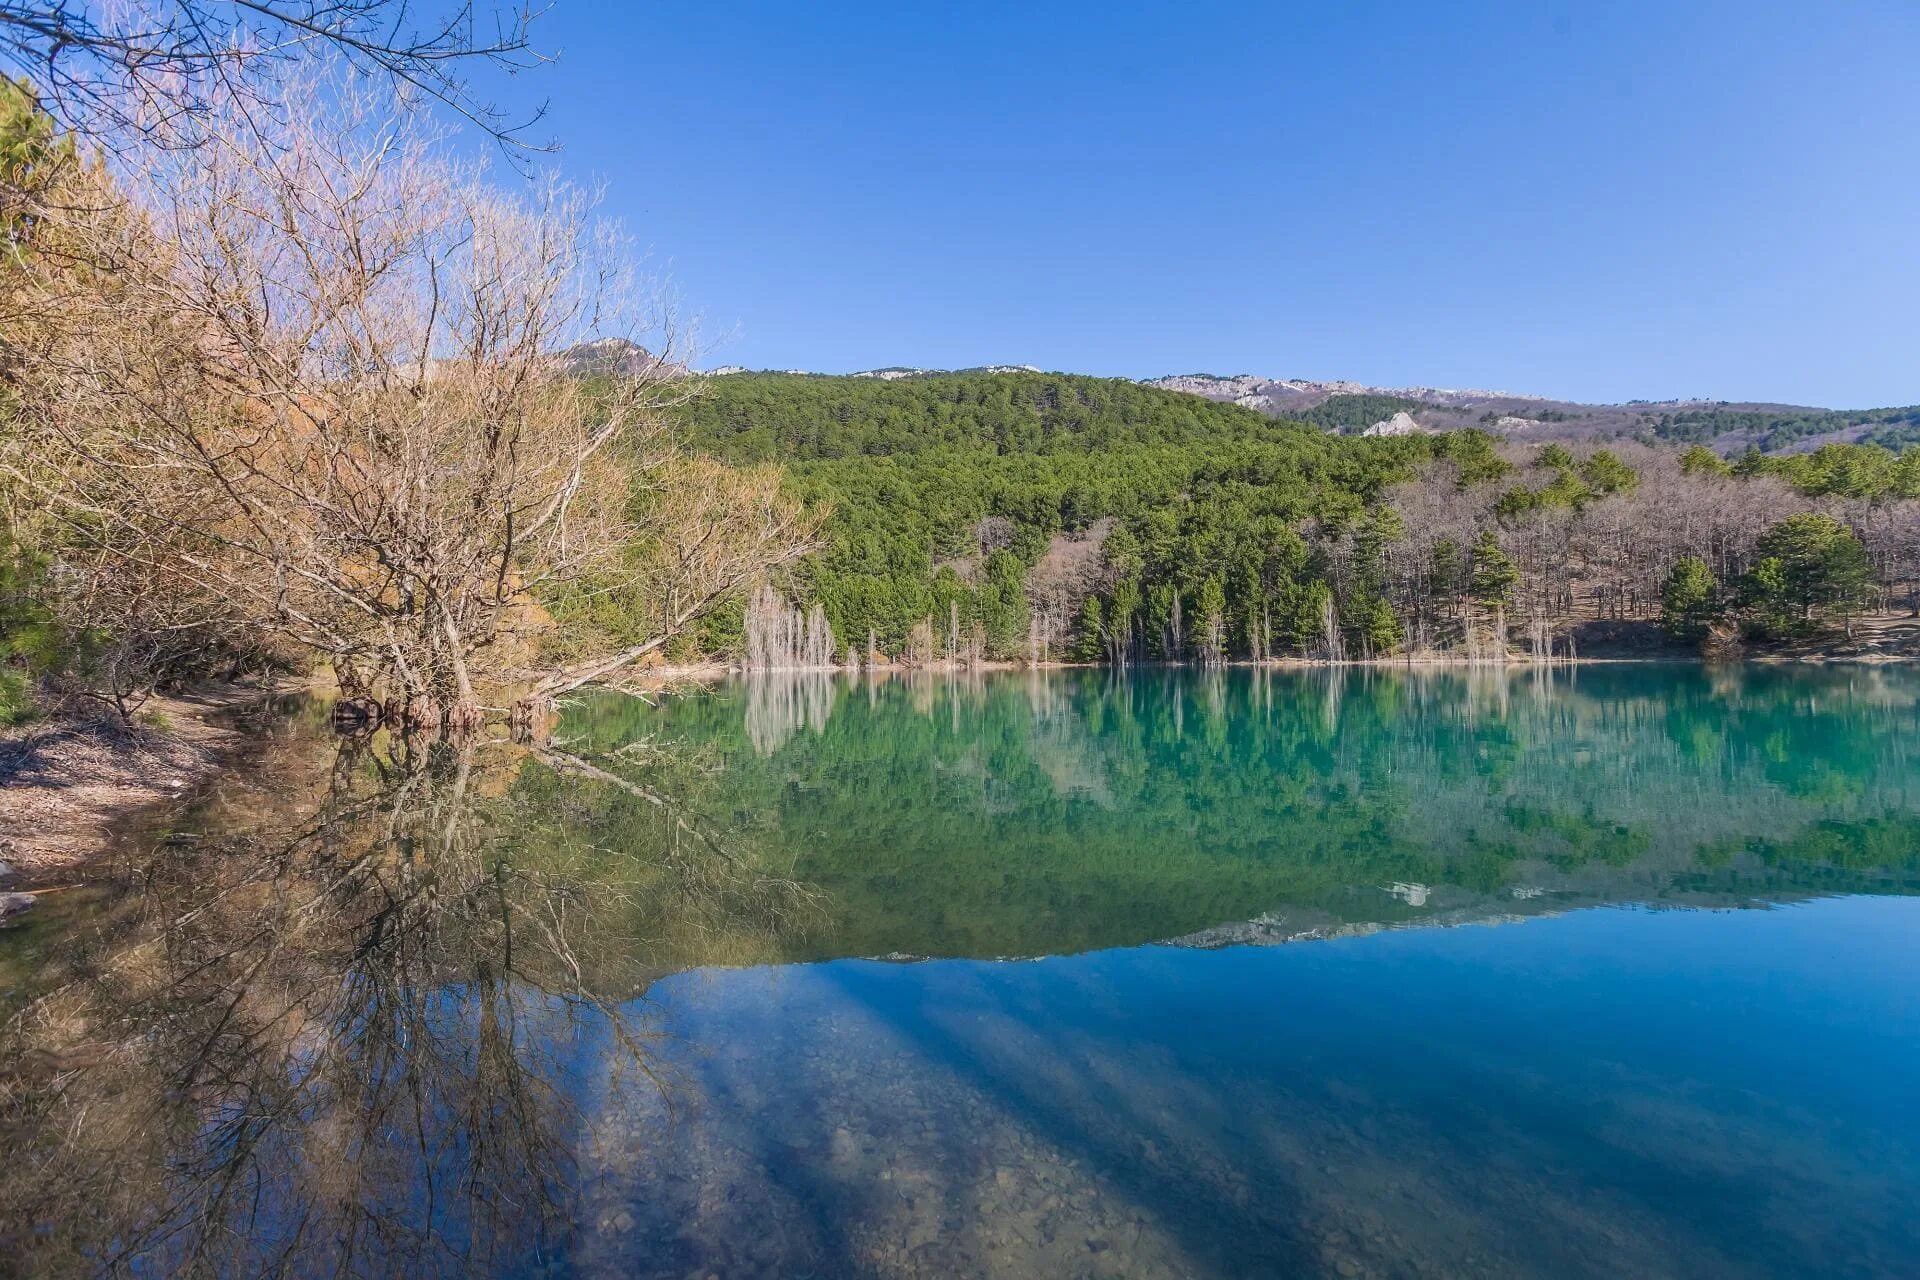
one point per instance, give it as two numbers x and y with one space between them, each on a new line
1770 430
964 499
784 417
1004 515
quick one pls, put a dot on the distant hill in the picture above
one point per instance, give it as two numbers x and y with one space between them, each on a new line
797 417
1729 427
1343 408
618 357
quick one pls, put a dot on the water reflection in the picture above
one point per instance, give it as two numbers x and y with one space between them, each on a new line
1028 815
1454 1102
782 703
600 1007
346 1035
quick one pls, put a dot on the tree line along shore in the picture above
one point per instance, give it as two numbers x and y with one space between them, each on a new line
1017 517
294 392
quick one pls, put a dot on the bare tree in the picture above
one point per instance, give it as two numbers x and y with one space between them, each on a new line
153 68
312 372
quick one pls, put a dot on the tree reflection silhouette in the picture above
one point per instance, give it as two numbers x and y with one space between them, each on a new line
342 1040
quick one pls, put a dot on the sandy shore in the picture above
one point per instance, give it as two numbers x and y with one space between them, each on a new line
66 783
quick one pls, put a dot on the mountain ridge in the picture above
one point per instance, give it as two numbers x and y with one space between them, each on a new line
1346 407
1725 426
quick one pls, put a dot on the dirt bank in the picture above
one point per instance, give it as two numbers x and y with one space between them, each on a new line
67 782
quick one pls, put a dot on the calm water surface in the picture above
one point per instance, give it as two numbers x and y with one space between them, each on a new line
1381 974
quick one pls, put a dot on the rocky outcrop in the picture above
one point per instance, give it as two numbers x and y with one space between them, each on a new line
1400 424
894 373
1277 394
619 358
1212 386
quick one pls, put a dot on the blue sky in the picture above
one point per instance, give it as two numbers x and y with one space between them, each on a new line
1594 201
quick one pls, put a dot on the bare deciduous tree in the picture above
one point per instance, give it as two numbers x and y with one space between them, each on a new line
1604 559
313 374
154 67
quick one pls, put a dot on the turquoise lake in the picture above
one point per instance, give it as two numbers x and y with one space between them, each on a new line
1592 972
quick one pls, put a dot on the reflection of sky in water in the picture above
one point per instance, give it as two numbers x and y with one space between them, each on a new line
1611 1092
428 1069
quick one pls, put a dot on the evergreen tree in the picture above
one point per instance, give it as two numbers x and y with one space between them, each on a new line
1372 628
1806 563
1379 629
1123 612
1003 603
1697 460
1690 599
1492 574
1604 473
1212 632
1090 633
1306 624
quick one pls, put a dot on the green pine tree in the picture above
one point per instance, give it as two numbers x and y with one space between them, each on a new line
1807 564
1090 633
1491 575
1697 459
1379 629
1690 600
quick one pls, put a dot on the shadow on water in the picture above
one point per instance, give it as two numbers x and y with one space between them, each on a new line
392 1007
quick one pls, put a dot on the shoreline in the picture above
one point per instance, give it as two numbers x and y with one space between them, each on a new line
71 784
655 678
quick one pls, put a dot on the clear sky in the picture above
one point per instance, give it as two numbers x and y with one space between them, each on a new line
1597 201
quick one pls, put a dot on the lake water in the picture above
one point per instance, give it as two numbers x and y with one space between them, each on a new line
1367 973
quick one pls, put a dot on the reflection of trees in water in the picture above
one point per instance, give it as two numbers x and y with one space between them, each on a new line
782 702
1022 813
335 1040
